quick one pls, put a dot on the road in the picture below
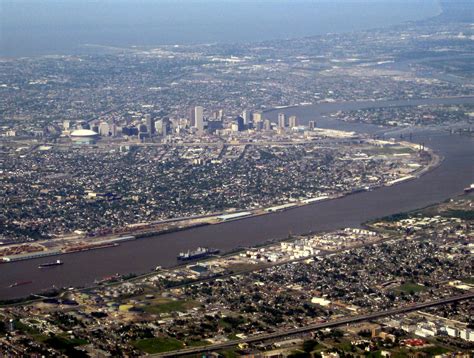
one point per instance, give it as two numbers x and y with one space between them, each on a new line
316 326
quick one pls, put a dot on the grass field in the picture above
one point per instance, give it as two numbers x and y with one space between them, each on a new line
461 214
409 287
468 280
165 305
197 343
388 150
238 267
158 345
434 351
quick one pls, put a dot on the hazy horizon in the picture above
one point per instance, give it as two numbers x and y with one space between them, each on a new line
54 27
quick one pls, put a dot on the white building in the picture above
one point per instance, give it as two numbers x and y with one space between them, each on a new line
104 129
281 120
199 118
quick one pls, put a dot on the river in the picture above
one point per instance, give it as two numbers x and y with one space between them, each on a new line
140 256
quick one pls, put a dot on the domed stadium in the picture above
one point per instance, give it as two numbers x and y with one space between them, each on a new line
84 135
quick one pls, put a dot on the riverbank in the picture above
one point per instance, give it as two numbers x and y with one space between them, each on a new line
75 242
446 180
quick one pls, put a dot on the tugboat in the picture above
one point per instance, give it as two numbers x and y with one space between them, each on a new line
199 253
51 264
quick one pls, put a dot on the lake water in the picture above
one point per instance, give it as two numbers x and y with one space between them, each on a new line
37 27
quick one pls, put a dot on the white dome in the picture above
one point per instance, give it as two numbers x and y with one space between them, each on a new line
83 133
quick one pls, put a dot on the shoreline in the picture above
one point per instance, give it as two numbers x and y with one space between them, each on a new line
108 242
13 298
436 160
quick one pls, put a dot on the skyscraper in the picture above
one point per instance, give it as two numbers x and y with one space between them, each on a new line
192 118
246 115
312 125
150 124
267 125
257 117
281 120
293 121
240 123
104 129
199 119
113 130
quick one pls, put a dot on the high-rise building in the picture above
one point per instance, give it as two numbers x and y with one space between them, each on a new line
281 120
166 128
247 116
162 127
159 127
192 118
150 124
312 125
104 129
267 125
130 131
84 125
142 128
66 125
113 130
257 117
199 119
292 122
240 123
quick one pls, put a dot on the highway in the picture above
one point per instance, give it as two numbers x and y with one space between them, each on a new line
316 326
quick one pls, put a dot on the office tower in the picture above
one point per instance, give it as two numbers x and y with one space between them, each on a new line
150 124
221 115
240 123
159 127
66 125
257 117
281 120
104 129
213 126
199 119
192 118
84 125
166 127
113 130
162 127
129 131
267 125
247 116
312 125
142 128
293 121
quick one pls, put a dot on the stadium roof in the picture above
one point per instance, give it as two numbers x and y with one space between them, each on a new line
84 133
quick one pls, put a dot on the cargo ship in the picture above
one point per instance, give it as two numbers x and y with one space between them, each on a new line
16 284
199 253
51 264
